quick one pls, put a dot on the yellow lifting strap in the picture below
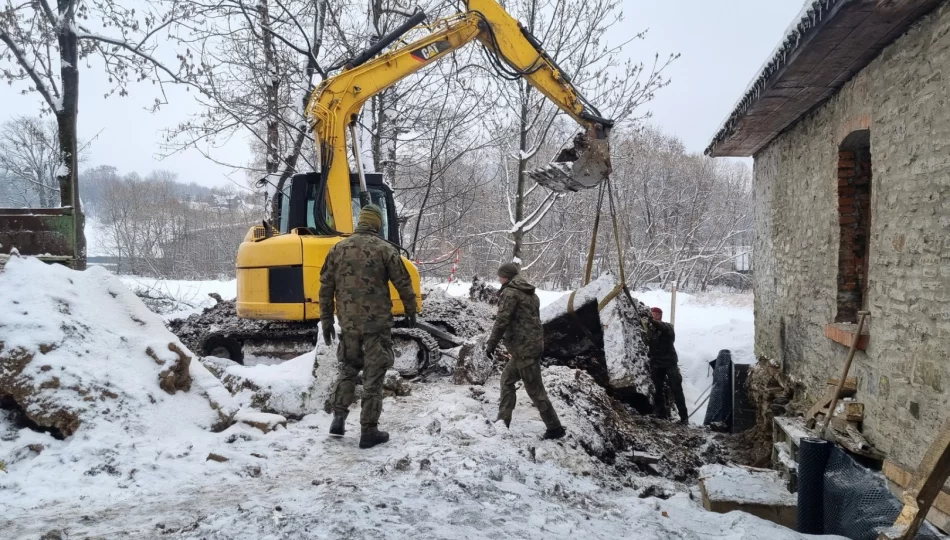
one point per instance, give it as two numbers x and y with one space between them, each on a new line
622 285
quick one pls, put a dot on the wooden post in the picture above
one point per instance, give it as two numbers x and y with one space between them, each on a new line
844 372
673 305
931 475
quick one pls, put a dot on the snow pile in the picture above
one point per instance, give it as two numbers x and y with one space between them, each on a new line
457 314
745 485
292 389
84 360
624 349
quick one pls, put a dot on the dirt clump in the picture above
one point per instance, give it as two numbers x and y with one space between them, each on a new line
772 394
458 316
615 434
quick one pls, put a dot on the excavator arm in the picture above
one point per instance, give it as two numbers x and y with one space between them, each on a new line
337 102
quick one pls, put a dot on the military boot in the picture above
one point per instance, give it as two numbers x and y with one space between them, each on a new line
371 436
553 424
505 419
338 426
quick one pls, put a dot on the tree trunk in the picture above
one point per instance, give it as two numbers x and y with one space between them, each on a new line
518 235
523 126
66 119
271 93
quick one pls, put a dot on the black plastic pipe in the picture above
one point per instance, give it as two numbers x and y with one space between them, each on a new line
812 461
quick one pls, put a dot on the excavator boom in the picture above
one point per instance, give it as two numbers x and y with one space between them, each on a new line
338 100
279 264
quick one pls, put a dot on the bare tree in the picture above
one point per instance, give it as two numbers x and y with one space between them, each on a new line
29 152
575 35
153 227
44 45
261 63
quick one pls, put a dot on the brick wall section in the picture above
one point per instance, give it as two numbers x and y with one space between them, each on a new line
904 375
854 203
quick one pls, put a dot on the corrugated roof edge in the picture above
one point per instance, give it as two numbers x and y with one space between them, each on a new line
811 17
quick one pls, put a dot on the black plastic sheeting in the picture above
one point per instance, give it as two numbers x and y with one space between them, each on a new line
743 412
719 408
838 496
812 460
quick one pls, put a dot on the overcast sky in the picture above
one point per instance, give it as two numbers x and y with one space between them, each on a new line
722 43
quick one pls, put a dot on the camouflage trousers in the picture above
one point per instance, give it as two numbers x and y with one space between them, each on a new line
371 353
530 374
664 376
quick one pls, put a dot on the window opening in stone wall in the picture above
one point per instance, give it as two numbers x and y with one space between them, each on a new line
854 218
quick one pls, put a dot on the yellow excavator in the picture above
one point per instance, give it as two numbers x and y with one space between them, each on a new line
278 264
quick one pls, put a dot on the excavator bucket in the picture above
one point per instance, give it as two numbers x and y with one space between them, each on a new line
583 165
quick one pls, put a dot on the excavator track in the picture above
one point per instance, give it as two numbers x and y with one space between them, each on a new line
415 350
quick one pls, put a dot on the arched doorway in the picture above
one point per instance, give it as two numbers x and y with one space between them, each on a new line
854 218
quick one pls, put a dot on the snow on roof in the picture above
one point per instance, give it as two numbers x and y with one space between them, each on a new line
827 44
809 17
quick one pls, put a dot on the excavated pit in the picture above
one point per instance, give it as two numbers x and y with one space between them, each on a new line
615 434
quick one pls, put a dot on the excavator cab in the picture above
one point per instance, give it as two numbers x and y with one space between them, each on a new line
298 207
278 271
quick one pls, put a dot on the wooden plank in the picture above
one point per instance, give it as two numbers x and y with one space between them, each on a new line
850 384
897 473
823 403
924 488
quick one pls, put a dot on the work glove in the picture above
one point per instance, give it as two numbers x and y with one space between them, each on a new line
411 320
329 333
490 350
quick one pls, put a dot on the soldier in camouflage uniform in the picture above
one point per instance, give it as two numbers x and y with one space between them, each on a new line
519 323
664 365
356 274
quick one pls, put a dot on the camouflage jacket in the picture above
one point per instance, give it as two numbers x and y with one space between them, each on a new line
662 351
519 322
356 275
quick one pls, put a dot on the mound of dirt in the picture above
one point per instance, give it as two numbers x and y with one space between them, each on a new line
83 358
614 433
460 316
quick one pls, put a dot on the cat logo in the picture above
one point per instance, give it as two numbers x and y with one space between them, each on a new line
424 54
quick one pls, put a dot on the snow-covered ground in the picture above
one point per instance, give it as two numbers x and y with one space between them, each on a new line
461 288
448 472
191 296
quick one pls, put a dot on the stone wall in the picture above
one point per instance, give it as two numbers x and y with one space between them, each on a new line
903 98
